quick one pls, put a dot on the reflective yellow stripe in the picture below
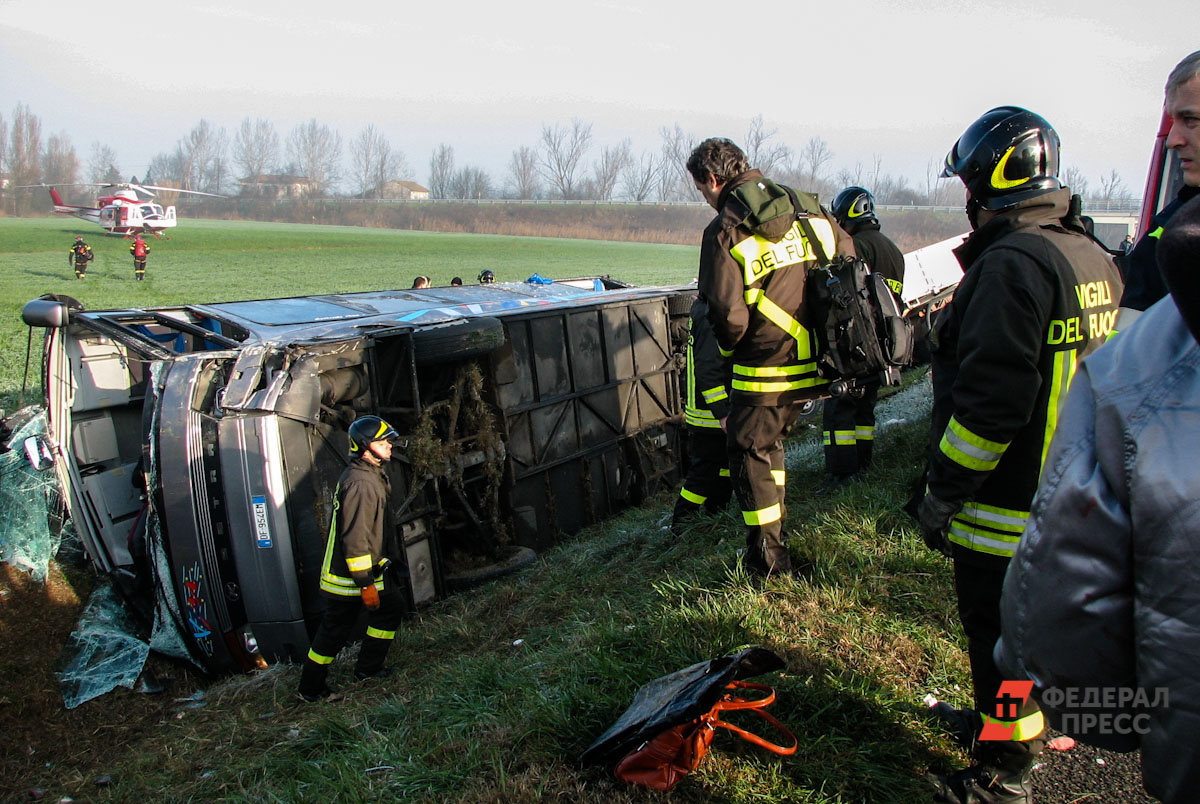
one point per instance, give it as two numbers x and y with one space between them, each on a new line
777 387
896 286
380 634
723 473
1025 728
692 496
780 476
865 433
759 256
825 438
782 319
1156 234
1065 363
359 563
699 421
724 352
970 450
998 180
843 438
714 394
988 528
763 516
318 658
773 371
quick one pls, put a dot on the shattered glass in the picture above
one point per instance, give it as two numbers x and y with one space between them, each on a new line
103 652
29 500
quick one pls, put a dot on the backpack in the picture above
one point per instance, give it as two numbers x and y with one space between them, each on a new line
863 338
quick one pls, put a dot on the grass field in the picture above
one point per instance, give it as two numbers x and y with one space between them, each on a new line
208 261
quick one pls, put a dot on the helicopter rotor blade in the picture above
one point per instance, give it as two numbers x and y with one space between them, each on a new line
176 190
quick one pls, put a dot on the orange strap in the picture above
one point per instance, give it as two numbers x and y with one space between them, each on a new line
733 703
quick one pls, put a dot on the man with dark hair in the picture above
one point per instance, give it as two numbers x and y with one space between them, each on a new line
848 421
755 256
1037 295
1143 282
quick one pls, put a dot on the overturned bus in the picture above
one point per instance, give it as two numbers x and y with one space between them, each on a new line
198 446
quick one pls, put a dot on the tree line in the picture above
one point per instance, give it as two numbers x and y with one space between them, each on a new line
565 163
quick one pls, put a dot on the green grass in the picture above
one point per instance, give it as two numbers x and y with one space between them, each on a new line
210 261
501 688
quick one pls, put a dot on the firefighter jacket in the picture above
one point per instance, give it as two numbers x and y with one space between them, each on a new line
1104 590
80 254
880 254
1143 281
706 396
754 261
356 530
1034 299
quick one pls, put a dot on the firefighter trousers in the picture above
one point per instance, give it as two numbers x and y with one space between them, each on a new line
139 268
707 483
848 425
337 625
755 437
978 589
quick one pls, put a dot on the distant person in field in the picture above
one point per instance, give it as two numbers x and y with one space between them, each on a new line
140 249
486 277
456 281
79 256
420 282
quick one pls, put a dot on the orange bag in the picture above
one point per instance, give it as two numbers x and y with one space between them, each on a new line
662 761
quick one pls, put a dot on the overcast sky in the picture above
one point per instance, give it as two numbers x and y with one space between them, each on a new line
899 79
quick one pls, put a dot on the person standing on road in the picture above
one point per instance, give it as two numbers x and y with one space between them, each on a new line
1037 295
79 256
849 420
139 249
754 261
357 555
1143 283
705 409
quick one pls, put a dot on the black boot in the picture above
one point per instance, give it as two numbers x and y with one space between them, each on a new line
984 784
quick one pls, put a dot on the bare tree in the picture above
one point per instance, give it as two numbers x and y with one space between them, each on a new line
941 192
24 155
1073 177
316 150
607 169
1111 188
60 165
674 181
3 156
814 156
102 165
441 171
166 168
761 153
523 173
470 182
256 148
201 158
375 163
639 177
562 153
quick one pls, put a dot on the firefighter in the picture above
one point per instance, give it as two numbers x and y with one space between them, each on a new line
849 420
1145 282
1037 296
754 260
705 409
139 249
486 277
79 256
357 556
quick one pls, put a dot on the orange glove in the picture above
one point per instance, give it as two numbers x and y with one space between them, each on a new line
370 597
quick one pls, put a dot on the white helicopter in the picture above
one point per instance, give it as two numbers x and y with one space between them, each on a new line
123 212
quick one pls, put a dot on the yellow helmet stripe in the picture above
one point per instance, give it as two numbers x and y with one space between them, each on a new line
998 180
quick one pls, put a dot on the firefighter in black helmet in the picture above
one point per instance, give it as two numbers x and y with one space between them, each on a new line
849 421
79 255
1037 295
357 554
486 277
